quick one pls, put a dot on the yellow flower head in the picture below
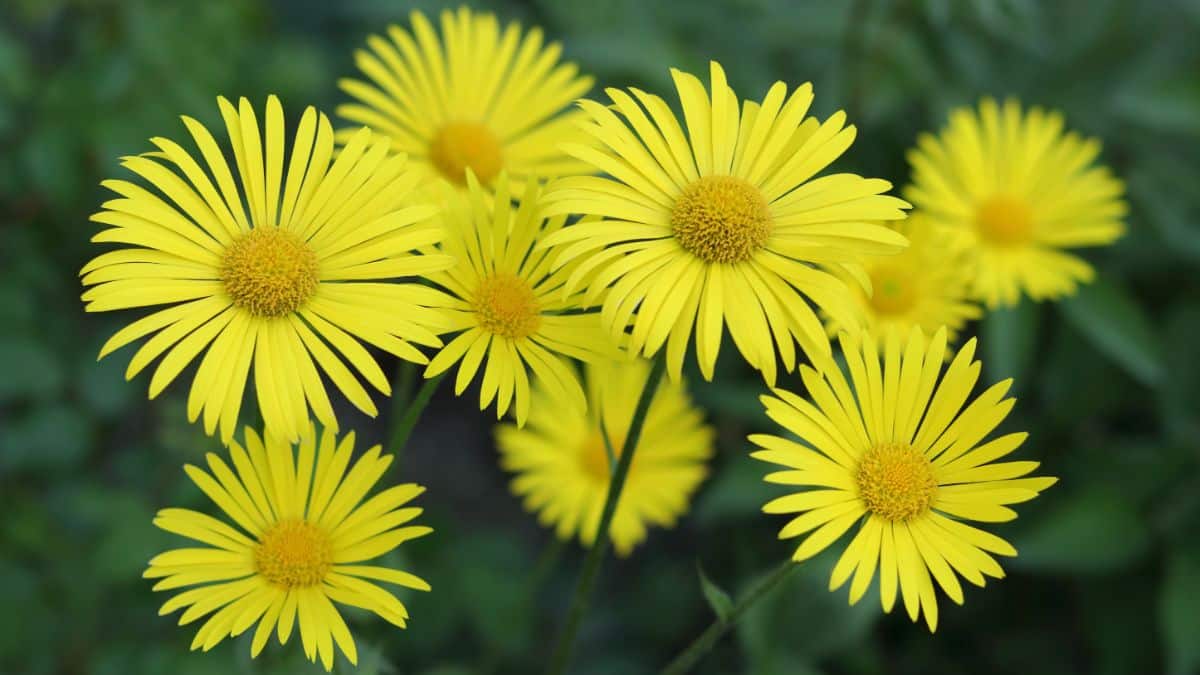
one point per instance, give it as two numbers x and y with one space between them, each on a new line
563 467
1022 192
300 531
478 98
723 225
900 457
926 286
510 311
280 271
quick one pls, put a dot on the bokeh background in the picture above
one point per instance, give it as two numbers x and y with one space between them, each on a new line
1108 581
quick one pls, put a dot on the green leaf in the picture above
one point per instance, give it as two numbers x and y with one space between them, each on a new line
1008 336
717 598
1097 531
1110 318
1179 613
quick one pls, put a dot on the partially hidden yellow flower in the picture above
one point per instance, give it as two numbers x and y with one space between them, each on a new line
287 273
510 312
477 98
899 456
302 529
727 225
562 466
1022 192
927 286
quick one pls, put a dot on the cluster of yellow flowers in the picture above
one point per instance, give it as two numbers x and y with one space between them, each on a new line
471 213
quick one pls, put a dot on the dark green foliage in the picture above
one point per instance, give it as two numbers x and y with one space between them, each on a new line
1109 382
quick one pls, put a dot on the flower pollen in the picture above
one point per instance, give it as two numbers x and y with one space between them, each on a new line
1004 221
721 219
459 146
269 272
896 482
505 305
294 554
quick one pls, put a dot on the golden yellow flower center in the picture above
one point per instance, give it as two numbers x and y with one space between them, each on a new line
721 219
269 272
896 481
458 146
294 554
595 457
892 290
1004 221
506 305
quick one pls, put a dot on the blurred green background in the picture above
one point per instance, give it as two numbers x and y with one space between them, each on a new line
1108 580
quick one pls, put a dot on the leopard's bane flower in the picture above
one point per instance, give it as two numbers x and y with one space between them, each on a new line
477 98
899 457
300 530
279 271
726 226
562 466
1022 192
509 310
927 286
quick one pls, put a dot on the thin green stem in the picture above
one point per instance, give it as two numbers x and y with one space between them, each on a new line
608 448
704 643
561 657
412 413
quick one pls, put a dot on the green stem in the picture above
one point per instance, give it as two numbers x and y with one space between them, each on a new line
412 413
595 555
701 645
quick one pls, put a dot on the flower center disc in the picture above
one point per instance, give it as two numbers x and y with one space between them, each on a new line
721 219
461 145
294 554
1004 221
506 305
269 272
896 481
892 290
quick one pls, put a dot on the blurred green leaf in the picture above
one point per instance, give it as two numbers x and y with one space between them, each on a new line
1093 531
735 491
801 621
102 386
1179 613
1108 316
53 436
1007 337
31 369
717 598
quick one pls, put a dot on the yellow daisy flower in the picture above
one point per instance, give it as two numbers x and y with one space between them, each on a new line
290 281
896 454
509 310
305 531
724 225
1022 192
477 98
563 467
926 286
